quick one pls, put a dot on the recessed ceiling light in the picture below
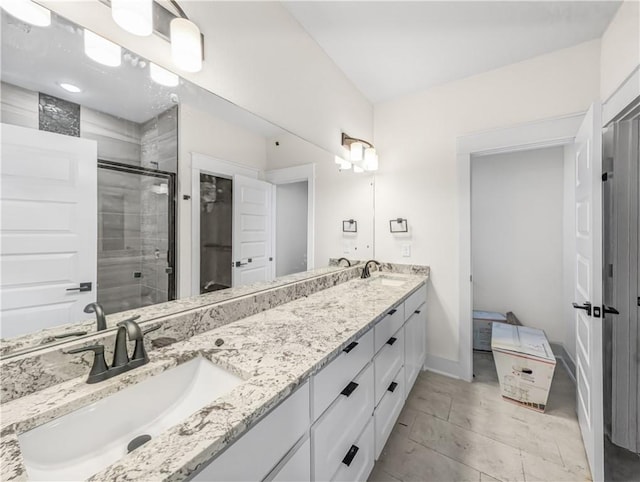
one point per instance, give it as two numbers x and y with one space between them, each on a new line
28 11
74 89
101 50
163 76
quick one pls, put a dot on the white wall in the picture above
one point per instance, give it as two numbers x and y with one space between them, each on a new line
203 133
517 236
339 196
258 57
291 228
416 138
620 50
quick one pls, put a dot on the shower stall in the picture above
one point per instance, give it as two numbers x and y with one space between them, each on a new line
216 195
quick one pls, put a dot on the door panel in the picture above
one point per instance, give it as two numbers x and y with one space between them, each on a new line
48 229
252 213
588 287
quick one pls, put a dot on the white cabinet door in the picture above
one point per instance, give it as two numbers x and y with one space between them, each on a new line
252 224
588 287
48 230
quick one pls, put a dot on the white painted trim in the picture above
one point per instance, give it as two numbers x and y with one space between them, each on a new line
624 95
442 366
304 172
201 163
545 133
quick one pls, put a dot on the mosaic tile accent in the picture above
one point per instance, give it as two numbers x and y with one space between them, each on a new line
58 115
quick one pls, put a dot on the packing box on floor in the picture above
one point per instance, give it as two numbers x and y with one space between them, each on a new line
525 364
482 321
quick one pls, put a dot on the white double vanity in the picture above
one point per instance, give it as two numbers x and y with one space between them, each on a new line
319 383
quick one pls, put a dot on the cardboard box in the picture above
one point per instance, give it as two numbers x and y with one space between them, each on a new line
525 364
482 321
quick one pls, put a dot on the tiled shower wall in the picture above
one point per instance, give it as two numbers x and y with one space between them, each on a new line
132 219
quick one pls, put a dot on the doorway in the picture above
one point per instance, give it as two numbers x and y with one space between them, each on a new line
291 227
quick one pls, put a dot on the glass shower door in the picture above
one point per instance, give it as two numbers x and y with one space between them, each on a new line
135 237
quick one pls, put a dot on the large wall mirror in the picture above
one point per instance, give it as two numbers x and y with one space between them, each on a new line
126 185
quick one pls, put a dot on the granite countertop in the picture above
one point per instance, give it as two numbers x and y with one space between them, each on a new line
273 352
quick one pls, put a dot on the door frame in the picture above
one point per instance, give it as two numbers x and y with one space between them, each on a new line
287 175
558 131
201 163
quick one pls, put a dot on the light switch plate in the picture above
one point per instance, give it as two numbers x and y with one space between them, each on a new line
406 250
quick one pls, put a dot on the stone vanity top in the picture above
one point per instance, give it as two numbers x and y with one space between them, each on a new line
273 352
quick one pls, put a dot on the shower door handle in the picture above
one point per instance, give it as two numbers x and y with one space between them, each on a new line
240 263
82 288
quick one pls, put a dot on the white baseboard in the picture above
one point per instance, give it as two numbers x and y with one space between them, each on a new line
563 355
442 366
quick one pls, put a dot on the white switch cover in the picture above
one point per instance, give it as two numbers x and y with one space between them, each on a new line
346 247
406 250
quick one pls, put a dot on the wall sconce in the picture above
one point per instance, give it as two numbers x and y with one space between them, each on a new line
143 17
359 154
398 225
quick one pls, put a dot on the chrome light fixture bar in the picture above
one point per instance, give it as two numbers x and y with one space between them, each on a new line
359 154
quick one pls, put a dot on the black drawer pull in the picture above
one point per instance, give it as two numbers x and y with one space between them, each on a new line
349 389
417 312
391 340
392 312
350 346
350 455
392 387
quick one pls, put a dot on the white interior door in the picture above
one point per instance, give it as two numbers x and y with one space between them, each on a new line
48 229
588 288
252 224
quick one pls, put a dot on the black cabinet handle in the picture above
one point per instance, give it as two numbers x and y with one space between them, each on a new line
350 346
392 312
391 340
586 307
417 312
349 389
608 310
392 387
350 455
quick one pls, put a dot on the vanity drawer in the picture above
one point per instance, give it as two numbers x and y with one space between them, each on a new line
361 464
387 363
388 410
264 445
340 425
297 468
415 300
331 380
388 326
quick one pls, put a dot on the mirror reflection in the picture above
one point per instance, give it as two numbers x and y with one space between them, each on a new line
127 186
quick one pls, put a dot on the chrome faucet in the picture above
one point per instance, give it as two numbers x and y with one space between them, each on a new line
365 271
121 362
100 319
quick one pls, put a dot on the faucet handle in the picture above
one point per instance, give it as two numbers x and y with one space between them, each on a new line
149 330
139 352
99 367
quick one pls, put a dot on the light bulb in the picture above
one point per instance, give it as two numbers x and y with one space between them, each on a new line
163 76
357 149
370 159
28 11
186 45
101 50
135 16
342 164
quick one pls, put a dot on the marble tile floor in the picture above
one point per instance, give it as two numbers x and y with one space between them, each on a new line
451 430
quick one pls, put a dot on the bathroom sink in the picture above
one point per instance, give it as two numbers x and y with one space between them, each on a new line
81 443
388 280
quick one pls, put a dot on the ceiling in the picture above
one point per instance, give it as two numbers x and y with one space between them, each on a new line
392 48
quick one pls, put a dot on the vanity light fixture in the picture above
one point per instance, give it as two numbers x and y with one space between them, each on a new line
101 50
74 89
135 16
186 42
360 153
28 11
163 76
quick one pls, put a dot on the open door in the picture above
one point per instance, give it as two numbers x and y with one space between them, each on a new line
588 288
48 230
252 224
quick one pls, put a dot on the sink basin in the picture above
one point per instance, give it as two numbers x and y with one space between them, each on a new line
388 280
81 443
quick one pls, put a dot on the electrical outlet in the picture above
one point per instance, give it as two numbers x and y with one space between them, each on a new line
406 250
